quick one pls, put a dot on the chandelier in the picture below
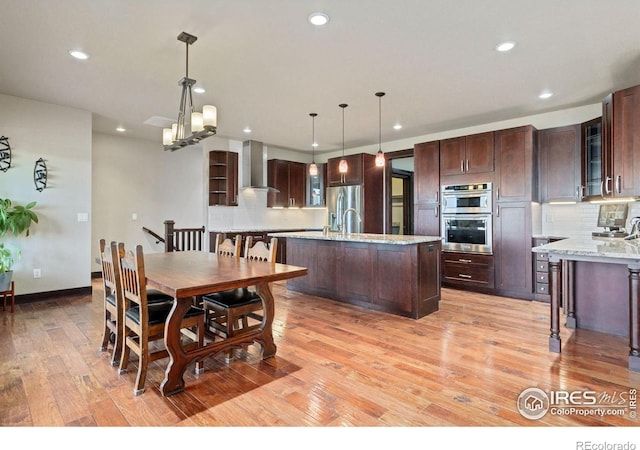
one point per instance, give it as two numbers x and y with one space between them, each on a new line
192 126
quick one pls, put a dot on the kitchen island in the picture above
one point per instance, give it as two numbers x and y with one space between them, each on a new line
399 274
594 250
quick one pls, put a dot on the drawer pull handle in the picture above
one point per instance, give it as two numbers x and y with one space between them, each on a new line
461 275
464 260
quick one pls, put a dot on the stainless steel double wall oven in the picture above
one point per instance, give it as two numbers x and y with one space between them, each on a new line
467 218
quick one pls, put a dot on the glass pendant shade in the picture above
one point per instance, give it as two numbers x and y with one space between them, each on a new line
379 159
197 123
167 136
313 169
210 115
343 167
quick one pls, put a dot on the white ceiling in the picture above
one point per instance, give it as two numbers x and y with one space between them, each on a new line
264 66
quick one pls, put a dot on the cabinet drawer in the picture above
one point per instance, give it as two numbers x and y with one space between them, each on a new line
542 277
542 257
467 259
542 288
468 274
542 266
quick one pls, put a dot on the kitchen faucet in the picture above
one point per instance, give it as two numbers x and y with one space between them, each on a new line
344 218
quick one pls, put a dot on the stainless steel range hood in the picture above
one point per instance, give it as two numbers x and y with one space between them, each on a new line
254 166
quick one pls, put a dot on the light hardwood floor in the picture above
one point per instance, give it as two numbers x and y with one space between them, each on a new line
336 365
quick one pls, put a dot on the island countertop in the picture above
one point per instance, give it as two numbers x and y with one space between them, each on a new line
370 238
599 248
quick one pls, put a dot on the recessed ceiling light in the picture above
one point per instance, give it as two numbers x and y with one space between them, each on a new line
318 19
545 95
315 144
121 129
78 54
505 46
397 126
247 130
199 90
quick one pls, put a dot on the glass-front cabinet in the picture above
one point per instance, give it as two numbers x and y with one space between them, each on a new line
592 159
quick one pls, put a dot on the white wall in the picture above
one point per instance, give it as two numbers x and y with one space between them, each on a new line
59 245
134 176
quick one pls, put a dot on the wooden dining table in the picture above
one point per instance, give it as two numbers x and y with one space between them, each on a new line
184 275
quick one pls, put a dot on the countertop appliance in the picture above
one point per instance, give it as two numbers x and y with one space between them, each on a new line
344 208
467 218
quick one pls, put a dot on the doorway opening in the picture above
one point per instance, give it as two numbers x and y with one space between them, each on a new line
399 192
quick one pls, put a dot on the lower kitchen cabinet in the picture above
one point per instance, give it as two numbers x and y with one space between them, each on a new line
467 270
512 250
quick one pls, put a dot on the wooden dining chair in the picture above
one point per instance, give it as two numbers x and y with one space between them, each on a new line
113 305
144 322
229 312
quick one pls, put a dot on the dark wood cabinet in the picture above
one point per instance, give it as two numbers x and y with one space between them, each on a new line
515 190
426 209
467 154
399 279
467 270
223 178
426 164
626 143
289 178
592 158
355 173
512 250
559 153
515 164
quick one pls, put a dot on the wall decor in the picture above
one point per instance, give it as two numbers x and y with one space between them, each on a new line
40 175
5 154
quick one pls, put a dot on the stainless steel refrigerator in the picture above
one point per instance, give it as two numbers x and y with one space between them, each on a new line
339 200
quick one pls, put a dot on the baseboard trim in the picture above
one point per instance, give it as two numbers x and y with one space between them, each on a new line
49 295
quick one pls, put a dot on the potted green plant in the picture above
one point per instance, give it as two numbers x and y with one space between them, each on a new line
14 220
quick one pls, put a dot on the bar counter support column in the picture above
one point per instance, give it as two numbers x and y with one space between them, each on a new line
634 317
556 273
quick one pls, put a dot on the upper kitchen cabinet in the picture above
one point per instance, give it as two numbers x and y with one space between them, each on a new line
357 164
289 178
223 178
592 158
427 188
559 163
473 154
617 172
515 164
625 154
426 158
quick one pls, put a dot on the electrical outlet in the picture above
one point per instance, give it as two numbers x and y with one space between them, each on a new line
37 273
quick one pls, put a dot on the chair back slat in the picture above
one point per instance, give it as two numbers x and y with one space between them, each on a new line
132 271
108 268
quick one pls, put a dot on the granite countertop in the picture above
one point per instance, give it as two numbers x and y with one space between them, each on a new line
396 239
599 247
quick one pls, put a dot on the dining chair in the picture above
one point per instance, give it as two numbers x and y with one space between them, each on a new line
144 322
113 302
112 332
229 312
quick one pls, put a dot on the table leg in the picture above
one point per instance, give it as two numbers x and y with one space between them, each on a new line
634 319
554 338
173 377
266 333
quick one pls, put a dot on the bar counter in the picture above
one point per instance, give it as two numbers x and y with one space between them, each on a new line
598 250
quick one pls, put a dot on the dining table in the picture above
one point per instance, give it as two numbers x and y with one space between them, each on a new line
187 275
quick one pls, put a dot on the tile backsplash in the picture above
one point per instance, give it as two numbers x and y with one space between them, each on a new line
578 220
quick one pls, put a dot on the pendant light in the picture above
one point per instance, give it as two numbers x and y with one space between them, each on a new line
343 167
313 168
379 155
